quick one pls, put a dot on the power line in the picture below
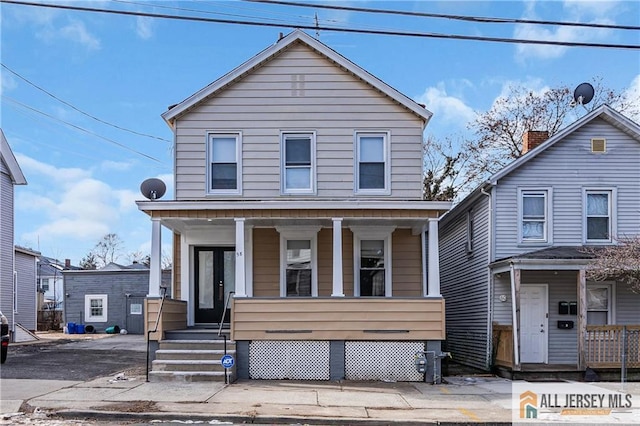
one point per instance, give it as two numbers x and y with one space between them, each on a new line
454 17
79 110
335 29
80 128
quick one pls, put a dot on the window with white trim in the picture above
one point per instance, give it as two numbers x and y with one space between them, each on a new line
95 307
298 163
298 261
372 163
372 261
533 216
224 165
598 215
599 304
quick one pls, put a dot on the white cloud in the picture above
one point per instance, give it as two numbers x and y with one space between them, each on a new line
77 31
573 11
116 166
632 96
144 27
7 82
447 109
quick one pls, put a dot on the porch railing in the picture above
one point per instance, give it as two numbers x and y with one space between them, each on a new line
606 346
503 345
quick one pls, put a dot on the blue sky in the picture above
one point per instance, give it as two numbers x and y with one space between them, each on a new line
126 71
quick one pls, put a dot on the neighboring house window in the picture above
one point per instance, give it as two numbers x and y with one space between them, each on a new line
470 231
599 304
534 216
598 215
45 285
298 168
299 261
223 157
372 164
95 307
372 261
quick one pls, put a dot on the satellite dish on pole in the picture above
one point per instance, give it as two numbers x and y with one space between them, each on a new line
583 94
153 188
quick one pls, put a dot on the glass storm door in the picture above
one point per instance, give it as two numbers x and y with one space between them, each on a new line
215 269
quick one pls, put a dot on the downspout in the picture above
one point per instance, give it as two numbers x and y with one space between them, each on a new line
514 318
489 338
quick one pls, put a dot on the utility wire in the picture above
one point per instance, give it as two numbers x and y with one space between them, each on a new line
335 29
79 110
455 17
80 128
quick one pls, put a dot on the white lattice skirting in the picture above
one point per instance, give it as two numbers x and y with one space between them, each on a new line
295 360
382 361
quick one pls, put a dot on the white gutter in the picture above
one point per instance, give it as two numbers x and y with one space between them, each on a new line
347 204
489 341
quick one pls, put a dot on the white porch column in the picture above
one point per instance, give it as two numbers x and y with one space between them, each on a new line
241 284
338 287
155 267
434 259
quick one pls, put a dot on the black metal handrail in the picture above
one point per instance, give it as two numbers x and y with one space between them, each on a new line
224 313
155 328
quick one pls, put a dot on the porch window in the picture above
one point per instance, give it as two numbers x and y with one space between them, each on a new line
95 307
598 215
298 273
372 261
298 163
372 168
224 164
599 304
533 216
298 261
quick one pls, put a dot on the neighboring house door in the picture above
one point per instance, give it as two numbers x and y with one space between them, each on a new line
533 323
215 269
135 318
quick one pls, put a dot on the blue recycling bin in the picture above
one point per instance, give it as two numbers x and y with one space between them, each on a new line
71 327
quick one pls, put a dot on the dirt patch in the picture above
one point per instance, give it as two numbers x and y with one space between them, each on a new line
129 407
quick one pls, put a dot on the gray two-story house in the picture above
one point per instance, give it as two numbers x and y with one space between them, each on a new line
298 209
514 253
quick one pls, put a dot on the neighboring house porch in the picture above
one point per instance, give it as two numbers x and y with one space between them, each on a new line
565 322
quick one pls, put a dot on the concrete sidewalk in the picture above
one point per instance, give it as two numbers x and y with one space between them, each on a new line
463 400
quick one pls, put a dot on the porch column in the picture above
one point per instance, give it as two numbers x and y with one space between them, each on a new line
155 266
434 259
582 316
338 287
515 314
241 285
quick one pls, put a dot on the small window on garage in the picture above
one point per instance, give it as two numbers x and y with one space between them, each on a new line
95 307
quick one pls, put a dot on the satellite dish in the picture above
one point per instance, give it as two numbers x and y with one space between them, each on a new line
583 94
153 188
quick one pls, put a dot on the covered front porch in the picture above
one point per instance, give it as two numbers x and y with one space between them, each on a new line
564 322
310 280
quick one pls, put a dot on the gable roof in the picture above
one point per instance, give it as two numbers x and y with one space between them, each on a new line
9 159
264 56
604 112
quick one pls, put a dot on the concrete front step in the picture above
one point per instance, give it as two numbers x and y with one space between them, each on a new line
192 354
196 344
189 376
186 365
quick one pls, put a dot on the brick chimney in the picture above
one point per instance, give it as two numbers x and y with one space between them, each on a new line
67 263
533 138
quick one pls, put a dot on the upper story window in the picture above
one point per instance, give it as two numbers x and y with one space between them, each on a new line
224 165
372 162
598 215
534 216
298 163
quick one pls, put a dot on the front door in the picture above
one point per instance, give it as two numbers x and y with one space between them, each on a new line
215 269
533 324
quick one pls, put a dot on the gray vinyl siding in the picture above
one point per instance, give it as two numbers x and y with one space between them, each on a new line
501 312
464 286
568 167
6 244
627 306
114 284
334 104
26 279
